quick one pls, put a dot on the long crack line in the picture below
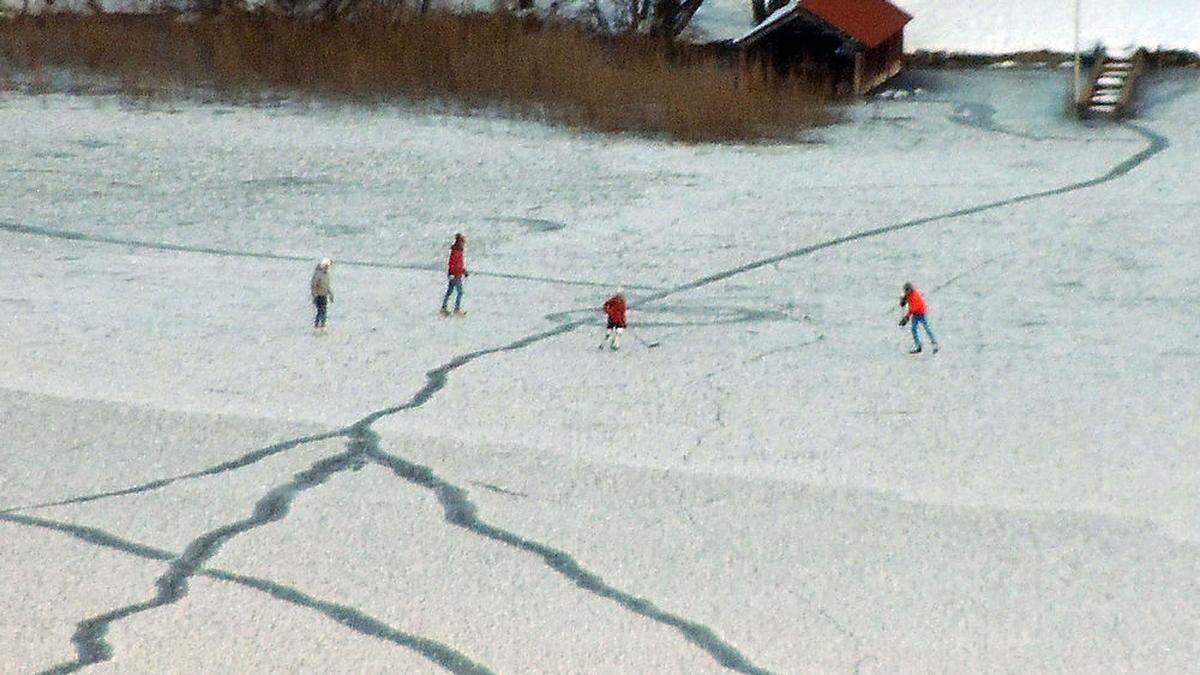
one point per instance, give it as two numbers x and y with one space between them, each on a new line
460 511
90 645
350 617
1156 145
70 235
436 378
159 483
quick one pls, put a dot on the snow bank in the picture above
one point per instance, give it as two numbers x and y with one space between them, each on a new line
1003 27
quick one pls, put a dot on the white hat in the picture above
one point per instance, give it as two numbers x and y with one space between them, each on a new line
326 263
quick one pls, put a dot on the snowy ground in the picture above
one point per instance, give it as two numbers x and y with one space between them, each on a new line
194 481
1011 26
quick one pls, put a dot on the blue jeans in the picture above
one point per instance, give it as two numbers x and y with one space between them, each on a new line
454 285
920 319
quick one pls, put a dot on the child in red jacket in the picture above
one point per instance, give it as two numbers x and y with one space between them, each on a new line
916 312
614 307
456 270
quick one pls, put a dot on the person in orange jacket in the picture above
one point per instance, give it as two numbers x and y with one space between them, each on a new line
614 308
916 313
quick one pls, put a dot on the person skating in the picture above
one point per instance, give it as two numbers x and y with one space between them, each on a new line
322 291
916 313
614 307
456 271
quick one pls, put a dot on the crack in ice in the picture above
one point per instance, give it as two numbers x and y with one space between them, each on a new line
90 645
458 509
350 617
1156 145
157 484
69 235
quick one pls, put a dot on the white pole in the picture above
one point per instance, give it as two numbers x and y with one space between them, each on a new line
1078 64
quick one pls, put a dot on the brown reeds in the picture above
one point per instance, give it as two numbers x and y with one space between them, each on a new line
557 72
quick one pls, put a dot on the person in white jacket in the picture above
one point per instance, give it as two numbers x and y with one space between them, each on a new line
322 291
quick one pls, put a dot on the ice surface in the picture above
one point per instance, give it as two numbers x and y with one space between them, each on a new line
778 486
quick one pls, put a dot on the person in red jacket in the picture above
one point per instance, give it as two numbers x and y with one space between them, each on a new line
456 271
614 307
916 312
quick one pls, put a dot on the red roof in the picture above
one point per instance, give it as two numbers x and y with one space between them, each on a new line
867 21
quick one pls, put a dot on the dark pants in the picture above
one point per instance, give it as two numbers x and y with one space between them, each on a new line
455 284
320 301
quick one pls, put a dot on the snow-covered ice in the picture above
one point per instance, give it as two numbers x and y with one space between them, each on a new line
197 481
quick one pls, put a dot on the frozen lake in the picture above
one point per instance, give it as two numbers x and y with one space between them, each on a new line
196 482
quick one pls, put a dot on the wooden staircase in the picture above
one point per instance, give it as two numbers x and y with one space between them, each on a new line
1113 82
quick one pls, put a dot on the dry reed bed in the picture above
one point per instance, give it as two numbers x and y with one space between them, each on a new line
555 72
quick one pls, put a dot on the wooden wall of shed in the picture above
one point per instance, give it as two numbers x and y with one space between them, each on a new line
802 49
806 49
882 62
